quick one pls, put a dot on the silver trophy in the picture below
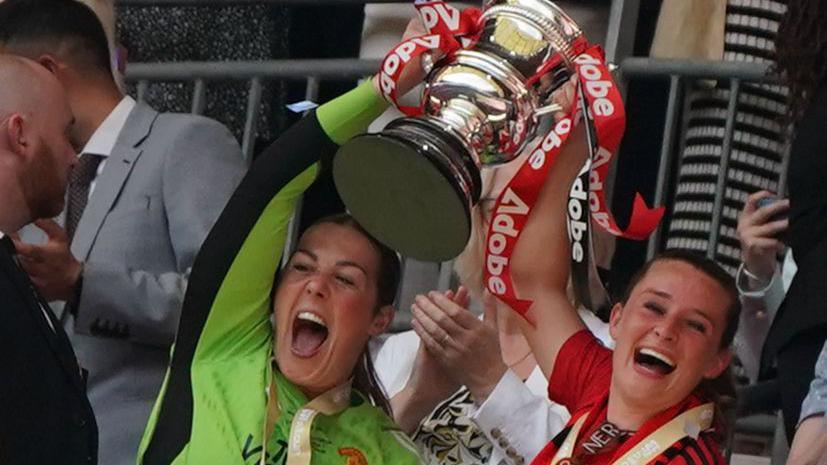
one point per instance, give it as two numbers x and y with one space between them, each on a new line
413 184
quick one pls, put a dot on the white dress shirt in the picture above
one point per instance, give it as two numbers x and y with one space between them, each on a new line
104 138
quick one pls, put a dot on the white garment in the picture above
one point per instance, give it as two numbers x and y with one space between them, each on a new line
517 419
104 138
758 309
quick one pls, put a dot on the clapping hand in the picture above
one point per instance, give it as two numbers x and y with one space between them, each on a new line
466 347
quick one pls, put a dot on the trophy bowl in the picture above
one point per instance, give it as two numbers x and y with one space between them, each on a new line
413 185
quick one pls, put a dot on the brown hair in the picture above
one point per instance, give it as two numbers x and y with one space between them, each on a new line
390 272
801 52
720 390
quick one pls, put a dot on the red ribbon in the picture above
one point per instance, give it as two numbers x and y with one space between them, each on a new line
451 29
605 110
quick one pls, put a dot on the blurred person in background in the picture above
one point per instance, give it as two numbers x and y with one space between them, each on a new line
147 189
809 446
214 32
45 416
761 283
800 325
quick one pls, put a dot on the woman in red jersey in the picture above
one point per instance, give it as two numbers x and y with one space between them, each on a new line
645 402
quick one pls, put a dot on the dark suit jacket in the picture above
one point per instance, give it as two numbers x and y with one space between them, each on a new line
44 414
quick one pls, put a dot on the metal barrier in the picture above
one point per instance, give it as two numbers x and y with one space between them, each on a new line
193 3
679 73
255 73
201 73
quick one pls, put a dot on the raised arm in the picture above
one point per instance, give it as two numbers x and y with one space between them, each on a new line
540 262
226 307
759 280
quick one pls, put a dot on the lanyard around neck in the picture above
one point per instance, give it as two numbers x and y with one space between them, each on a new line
299 449
689 423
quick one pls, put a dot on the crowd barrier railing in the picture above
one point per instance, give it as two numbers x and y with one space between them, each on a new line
680 74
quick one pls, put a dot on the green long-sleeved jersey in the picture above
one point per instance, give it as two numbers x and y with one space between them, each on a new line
212 406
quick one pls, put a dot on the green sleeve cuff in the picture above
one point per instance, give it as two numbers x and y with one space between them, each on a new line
351 113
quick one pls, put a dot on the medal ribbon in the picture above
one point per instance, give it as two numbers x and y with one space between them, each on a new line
299 446
689 423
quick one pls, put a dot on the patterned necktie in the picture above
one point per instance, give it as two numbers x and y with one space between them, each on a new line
80 178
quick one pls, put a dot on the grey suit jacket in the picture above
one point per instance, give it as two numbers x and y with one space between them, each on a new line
162 188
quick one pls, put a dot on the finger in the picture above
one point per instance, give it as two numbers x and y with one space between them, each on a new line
37 268
435 322
450 294
769 230
52 229
14 236
489 304
459 315
462 298
750 205
38 281
28 251
431 345
767 212
766 244
414 28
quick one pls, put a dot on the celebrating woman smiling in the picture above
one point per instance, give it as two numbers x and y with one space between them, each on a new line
646 401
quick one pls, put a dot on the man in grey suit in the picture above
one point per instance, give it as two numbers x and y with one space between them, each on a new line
147 189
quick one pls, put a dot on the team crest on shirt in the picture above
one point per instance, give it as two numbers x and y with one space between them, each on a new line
354 456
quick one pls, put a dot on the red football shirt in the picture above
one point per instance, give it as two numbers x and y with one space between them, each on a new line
580 381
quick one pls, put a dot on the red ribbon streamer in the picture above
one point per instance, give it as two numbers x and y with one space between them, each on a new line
605 109
450 30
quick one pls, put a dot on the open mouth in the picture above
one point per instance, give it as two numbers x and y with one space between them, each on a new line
309 333
654 361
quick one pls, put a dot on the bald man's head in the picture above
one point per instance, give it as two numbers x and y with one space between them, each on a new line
27 87
35 120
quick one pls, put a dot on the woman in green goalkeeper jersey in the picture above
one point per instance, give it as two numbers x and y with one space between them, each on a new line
242 391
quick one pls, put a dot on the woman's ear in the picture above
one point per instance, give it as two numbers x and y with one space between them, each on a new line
614 319
718 364
382 320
